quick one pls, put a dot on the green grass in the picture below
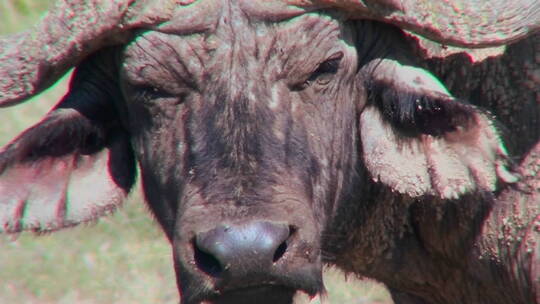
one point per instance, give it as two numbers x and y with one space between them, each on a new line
123 258
16 15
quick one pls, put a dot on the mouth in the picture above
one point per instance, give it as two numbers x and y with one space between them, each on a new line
266 294
261 289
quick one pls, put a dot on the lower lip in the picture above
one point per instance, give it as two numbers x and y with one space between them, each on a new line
259 295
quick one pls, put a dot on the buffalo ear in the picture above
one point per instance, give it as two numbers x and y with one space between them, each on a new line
419 140
72 167
61 172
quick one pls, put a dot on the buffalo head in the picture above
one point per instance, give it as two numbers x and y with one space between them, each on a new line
253 125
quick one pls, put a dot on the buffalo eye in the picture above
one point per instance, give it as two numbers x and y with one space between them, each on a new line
151 93
324 72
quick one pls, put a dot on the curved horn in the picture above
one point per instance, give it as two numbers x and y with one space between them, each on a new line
31 61
464 23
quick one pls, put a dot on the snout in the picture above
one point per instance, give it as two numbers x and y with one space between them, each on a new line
258 261
241 253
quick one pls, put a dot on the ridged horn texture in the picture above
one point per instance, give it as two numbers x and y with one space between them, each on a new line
33 60
464 23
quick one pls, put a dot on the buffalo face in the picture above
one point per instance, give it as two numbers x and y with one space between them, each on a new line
245 133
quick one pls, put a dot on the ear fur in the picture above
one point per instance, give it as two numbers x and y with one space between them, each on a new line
62 172
68 168
419 140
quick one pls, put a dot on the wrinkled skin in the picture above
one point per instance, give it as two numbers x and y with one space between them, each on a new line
308 123
273 149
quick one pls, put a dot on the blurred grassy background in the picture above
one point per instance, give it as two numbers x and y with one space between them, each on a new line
124 258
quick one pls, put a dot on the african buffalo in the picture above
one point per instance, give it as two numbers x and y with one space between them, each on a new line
275 136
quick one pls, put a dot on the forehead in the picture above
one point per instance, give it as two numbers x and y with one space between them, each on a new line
244 33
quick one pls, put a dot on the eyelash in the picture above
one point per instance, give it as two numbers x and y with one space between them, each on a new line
327 68
148 93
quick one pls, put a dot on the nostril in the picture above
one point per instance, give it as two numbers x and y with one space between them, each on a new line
280 251
282 248
237 250
206 262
